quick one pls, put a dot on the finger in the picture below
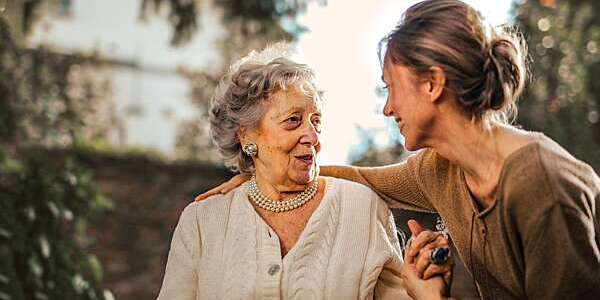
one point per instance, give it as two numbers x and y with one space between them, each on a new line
415 227
434 270
224 187
229 185
422 262
418 243
441 241
242 178
213 191
408 272
424 238
234 182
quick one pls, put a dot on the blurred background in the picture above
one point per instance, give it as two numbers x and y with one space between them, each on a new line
103 118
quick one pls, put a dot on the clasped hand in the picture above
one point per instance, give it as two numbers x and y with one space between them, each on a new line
422 278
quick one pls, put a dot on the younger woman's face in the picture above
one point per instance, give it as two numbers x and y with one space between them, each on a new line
408 103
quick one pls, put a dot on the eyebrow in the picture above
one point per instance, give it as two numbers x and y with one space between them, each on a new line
289 111
293 110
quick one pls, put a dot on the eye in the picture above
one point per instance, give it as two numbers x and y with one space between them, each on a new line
382 90
317 123
292 122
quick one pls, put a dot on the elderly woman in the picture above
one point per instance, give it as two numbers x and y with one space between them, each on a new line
287 233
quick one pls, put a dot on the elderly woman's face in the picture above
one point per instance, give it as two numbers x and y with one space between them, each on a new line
288 138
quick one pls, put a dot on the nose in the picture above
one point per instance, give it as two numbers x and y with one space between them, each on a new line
387 108
310 137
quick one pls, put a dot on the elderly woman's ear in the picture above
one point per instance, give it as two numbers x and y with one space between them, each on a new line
249 147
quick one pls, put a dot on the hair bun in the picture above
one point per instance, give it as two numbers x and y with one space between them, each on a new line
504 71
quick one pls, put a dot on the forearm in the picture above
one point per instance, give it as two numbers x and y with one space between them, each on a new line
350 173
392 183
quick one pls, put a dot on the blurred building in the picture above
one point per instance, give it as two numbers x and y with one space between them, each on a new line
144 98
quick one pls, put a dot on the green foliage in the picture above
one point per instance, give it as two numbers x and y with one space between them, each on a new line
44 206
563 101
8 81
44 202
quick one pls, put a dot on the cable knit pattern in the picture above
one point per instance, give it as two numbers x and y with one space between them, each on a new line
347 251
236 284
384 232
313 259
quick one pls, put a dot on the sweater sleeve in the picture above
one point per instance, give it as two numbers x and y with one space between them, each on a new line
389 283
181 277
562 259
396 184
561 242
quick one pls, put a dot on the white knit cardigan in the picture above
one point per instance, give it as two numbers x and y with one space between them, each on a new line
222 249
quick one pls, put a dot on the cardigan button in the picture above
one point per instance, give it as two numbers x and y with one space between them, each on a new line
273 269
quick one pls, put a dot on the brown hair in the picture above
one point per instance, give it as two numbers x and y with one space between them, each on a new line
485 67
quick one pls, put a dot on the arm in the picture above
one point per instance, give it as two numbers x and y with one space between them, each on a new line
181 277
562 259
558 224
396 184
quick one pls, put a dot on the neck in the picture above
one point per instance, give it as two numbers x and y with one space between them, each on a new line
278 190
475 150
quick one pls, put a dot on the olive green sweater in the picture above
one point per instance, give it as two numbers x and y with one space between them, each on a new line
540 238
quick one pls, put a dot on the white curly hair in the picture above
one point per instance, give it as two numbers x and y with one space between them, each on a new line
238 98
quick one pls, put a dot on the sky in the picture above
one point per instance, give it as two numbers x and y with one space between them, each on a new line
340 44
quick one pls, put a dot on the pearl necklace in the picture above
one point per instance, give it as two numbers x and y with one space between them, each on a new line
280 206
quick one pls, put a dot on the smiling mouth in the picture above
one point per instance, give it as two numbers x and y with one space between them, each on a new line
306 159
399 124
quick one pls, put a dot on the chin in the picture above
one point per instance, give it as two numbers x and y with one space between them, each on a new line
305 176
410 147
410 144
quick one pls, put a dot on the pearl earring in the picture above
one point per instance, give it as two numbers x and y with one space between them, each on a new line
250 149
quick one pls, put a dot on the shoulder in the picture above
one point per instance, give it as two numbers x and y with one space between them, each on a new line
358 196
545 173
347 187
559 164
211 207
435 175
219 200
352 194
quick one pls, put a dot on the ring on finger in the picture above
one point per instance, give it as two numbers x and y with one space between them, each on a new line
439 256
